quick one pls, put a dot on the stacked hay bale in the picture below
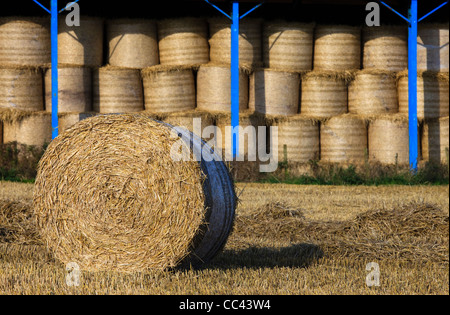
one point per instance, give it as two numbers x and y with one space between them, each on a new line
432 50
435 141
132 43
196 121
169 89
117 90
24 49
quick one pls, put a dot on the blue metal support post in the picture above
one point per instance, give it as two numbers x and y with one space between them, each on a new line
235 77
412 78
54 36
235 18
412 89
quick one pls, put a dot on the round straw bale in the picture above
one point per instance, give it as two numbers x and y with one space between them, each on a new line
337 48
432 94
74 89
169 89
25 41
21 89
248 134
435 141
132 43
385 48
343 139
117 90
194 121
274 92
213 88
110 196
68 120
288 46
33 130
183 41
372 93
389 140
250 41
324 94
301 138
81 45
432 49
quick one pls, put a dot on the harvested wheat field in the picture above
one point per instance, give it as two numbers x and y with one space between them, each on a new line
287 240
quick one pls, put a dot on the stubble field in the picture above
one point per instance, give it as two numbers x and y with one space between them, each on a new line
286 240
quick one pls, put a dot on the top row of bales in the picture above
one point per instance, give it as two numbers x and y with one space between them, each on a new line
289 46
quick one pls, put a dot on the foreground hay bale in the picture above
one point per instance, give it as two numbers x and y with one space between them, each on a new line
324 94
132 43
288 46
109 197
24 41
117 90
21 89
213 88
183 41
432 94
169 89
249 41
432 49
74 89
389 140
32 130
337 48
81 45
435 141
373 92
300 136
385 48
274 92
343 139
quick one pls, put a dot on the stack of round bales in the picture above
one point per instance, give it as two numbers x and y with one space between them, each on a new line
337 48
435 141
288 46
432 49
432 94
274 92
324 94
249 41
389 139
169 89
385 48
110 197
183 41
25 46
373 92
132 43
214 85
343 139
117 90
298 139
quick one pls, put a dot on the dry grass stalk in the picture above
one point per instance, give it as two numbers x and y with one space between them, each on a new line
183 41
122 203
21 89
17 224
24 41
132 43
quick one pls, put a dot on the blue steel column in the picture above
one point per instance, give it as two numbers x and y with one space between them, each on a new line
235 77
412 96
54 40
